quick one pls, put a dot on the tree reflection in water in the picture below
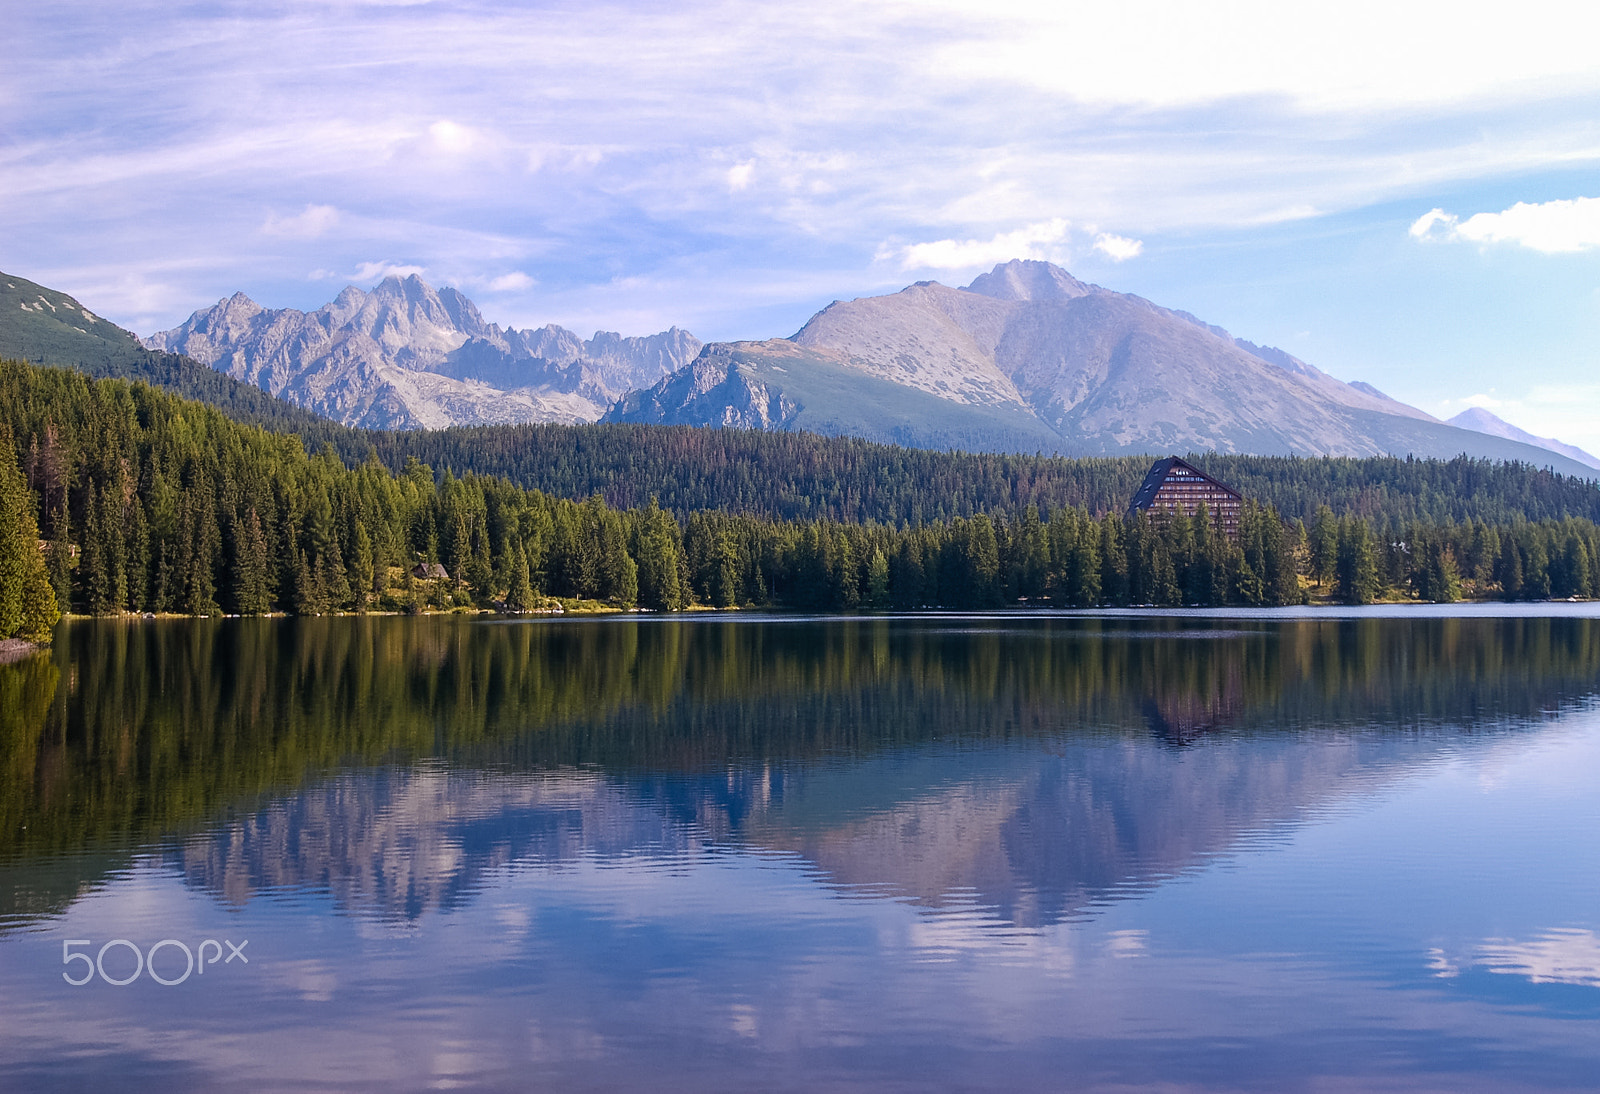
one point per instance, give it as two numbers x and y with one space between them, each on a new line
1036 762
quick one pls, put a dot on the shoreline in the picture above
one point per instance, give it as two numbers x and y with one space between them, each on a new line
16 649
13 650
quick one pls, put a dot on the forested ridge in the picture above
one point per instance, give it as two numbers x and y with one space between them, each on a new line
146 502
802 475
786 476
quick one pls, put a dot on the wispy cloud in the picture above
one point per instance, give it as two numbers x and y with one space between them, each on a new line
311 223
1323 54
1551 227
618 153
516 281
377 271
1043 240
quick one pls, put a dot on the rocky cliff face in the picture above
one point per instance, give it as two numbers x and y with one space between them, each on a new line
407 356
1029 358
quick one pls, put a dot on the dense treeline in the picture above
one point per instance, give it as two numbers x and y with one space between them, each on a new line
787 476
796 476
184 377
149 503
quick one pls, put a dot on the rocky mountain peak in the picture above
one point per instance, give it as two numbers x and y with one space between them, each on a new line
406 355
1029 279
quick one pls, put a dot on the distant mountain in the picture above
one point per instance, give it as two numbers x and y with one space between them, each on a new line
1029 358
48 327
407 356
1480 420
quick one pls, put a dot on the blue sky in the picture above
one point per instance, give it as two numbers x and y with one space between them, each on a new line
731 167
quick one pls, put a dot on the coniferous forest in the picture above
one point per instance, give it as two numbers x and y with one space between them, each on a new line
119 497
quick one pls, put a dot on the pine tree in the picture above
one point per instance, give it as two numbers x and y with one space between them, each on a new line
28 607
519 596
657 552
1113 561
1356 570
1324 546
907 578
94 567
725 579
60 559
251 567
982 564
878 580
1509 569
361 568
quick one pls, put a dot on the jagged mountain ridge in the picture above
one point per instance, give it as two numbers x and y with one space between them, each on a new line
408 356
1029 358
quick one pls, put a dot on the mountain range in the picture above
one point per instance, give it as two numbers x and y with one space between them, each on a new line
1029 358
407 356
1026 358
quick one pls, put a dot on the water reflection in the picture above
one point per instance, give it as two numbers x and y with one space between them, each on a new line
1035 767
1012 853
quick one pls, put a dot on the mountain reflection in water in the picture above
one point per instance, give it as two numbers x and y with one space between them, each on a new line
1035 767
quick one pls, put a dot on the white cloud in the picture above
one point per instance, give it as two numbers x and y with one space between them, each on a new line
1424 226
377 271
1045 239
450 137
1118 248
314 221
739 175
1320 53
1552 227
516 281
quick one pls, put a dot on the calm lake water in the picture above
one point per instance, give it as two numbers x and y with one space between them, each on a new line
1224 851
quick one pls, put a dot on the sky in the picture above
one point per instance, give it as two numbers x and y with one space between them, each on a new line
1402 193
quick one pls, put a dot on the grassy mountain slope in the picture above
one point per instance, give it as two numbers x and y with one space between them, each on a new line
47 327
780 385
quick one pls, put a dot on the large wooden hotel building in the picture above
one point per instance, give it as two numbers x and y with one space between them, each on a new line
1173 486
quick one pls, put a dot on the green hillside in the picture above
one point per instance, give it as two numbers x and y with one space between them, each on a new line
806 474
47 327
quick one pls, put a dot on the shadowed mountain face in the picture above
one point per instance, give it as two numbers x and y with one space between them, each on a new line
1038 766
408 356
1027 358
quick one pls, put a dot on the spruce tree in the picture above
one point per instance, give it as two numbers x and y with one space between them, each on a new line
361 568
60 559
519 596
1356 569
656 549
28 607
878 580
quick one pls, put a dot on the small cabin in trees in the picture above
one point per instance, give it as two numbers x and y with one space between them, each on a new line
1173 486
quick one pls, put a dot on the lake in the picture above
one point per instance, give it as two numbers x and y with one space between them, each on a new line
1293 850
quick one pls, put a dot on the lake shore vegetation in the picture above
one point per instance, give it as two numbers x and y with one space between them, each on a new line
122 498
